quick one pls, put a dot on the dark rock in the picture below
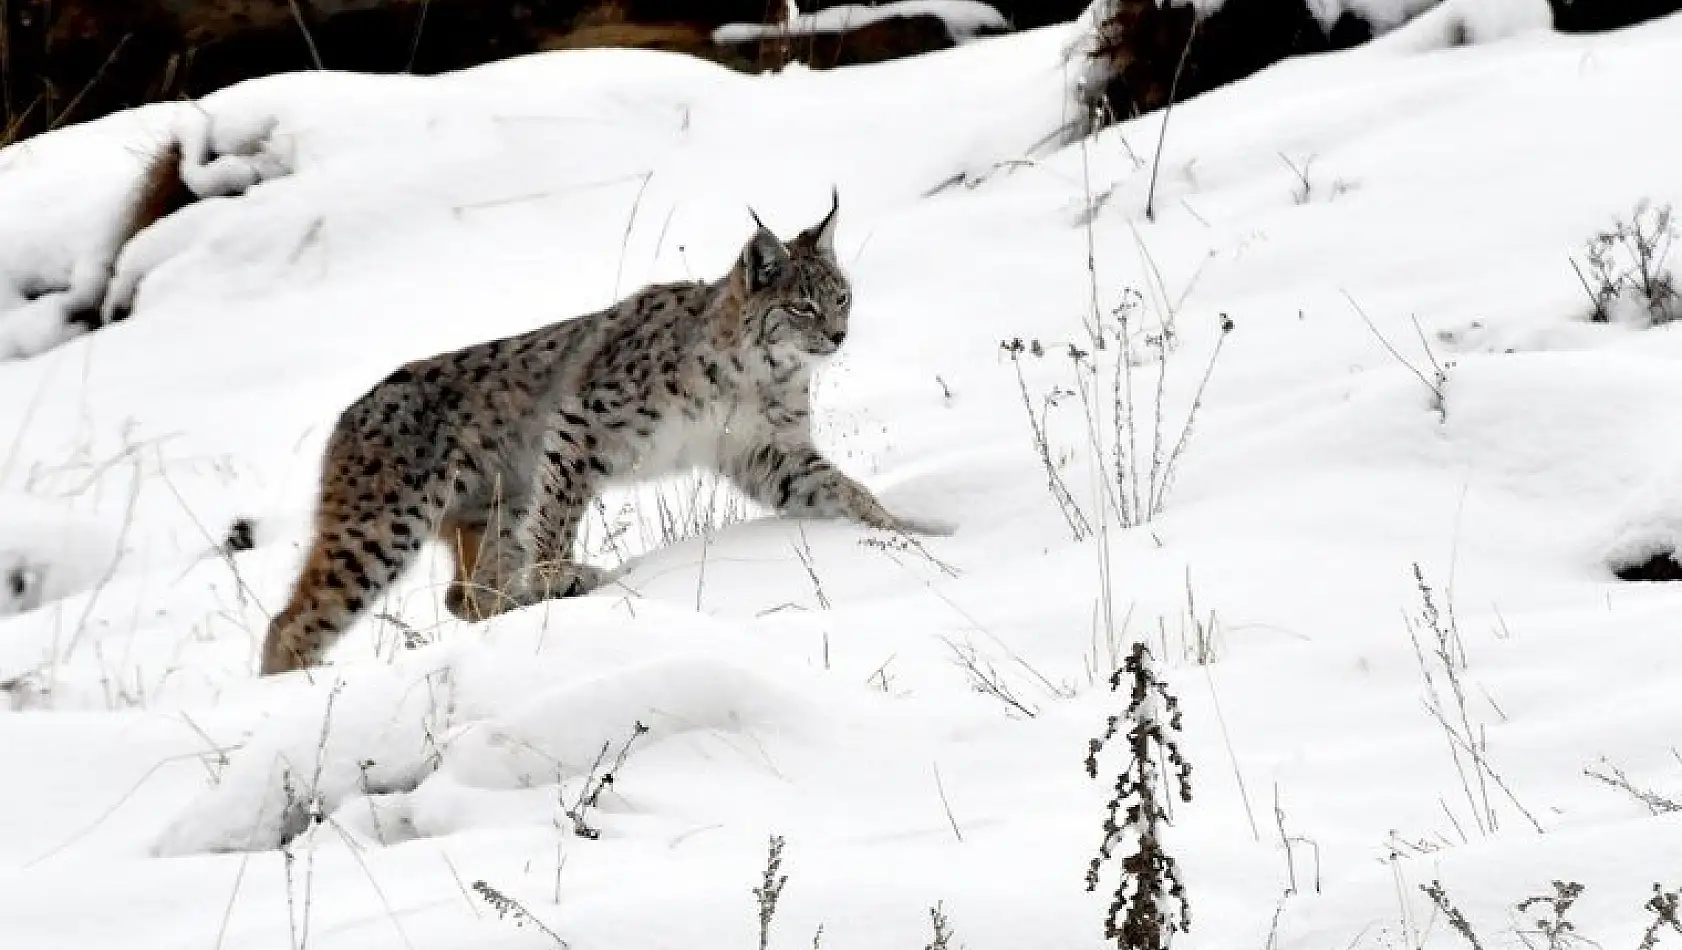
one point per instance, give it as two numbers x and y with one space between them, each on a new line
1662 566
1148 44
1587 16
241 537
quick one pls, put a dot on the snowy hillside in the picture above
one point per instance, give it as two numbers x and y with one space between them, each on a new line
1377 571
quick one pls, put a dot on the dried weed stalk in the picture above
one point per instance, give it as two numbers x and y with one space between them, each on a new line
1441 652
1150 903
507 908
1456 918
1664 906
596 781
1626 271
770 889
1126 432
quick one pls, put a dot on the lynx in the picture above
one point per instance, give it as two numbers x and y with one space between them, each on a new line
497 449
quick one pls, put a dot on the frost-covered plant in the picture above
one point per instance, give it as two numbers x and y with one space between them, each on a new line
1150 902
1626 271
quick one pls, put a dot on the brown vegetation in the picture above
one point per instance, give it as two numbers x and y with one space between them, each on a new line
892 38
1159 53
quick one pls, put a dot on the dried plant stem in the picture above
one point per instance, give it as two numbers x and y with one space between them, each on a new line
1167 112
770 890
510 909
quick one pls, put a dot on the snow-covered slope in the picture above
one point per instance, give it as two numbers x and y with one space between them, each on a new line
1410 379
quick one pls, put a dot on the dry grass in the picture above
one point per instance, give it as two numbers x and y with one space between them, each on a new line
1627 268
1441 652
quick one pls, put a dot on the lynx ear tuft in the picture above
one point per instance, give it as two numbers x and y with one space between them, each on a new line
823 233
764 259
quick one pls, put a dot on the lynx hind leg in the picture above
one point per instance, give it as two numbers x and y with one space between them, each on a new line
369 527
493 573
519 553
486 569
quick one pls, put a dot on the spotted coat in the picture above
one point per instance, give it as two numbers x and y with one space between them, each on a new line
498 449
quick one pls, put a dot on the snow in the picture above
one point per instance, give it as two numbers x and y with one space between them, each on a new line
1466 22
964 19
49 551
1412 379
65 215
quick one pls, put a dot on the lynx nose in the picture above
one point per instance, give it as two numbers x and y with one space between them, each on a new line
837 337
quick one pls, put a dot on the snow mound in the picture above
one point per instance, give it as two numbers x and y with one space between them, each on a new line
439 729
221 159
67 199
48 551
562 731
1454 23
360 732
1646 530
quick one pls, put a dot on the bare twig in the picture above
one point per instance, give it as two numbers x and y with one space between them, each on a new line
309 39
420 27
1437 386
947 805
1656 804
510 909
98 74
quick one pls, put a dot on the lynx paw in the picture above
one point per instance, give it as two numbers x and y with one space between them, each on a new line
569 580
932 527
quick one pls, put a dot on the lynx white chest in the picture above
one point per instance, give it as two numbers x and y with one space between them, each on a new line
680 443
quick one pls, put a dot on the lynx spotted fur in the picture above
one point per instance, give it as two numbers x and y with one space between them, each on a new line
497 449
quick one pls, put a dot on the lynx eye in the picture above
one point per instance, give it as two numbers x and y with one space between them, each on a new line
842 298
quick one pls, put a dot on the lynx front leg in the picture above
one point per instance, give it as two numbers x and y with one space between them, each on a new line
793 477
567 481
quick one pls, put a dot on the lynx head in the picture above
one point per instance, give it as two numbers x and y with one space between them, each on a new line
796 297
